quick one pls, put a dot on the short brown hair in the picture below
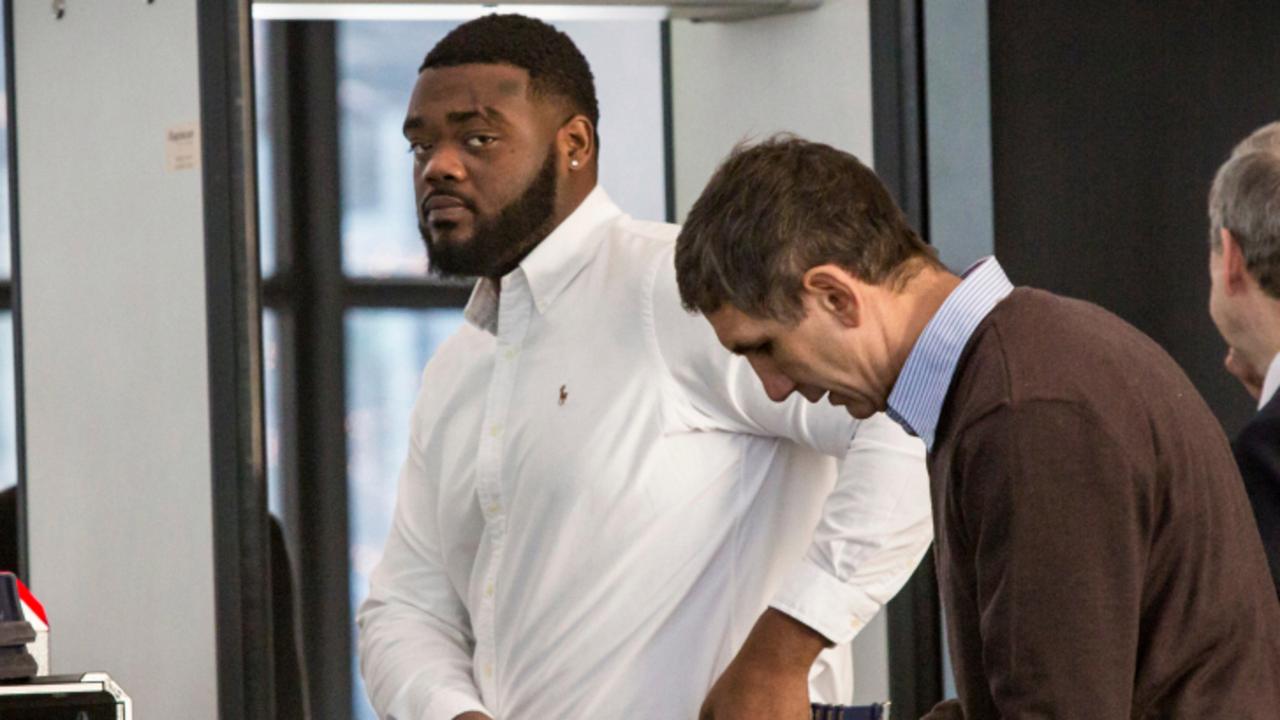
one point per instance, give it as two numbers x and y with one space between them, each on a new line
776 209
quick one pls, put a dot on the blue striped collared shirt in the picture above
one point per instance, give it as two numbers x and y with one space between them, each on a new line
917 396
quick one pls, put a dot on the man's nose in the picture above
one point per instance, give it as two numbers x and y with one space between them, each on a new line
444 165
776 385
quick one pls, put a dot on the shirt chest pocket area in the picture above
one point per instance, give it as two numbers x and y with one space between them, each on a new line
695 470
573 449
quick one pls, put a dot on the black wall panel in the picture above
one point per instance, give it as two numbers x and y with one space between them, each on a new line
1108 121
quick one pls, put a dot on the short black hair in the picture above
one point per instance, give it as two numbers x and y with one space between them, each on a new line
554 63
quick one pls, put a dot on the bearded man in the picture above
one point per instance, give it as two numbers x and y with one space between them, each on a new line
602 514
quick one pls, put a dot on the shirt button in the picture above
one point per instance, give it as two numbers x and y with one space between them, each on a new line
488 671
494 509
510 354
488 591
496 430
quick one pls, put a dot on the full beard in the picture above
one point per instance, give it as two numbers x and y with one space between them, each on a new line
497 246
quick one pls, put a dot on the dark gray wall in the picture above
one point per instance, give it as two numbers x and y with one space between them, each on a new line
1108 121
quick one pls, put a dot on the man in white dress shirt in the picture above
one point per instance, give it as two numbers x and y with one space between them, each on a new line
602 515
1244 301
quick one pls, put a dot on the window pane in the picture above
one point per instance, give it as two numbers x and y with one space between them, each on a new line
266 186
4 166
386 352
377 66
8 436
273 424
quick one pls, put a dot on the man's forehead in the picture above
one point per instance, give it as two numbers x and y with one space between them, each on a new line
735 327
485 82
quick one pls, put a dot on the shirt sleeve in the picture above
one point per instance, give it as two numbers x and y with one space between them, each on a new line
875 527
876 523
1057 524
415 638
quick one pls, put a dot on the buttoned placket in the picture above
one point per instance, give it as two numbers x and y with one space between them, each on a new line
514 308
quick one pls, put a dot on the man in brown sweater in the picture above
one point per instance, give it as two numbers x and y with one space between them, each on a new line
1096 552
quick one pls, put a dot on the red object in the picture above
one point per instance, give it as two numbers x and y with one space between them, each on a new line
31 601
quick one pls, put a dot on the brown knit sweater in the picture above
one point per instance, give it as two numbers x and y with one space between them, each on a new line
1096 552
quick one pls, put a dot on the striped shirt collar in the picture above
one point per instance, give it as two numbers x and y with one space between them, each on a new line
921 388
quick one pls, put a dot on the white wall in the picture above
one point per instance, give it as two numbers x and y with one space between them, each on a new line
114 348
624 57
807 73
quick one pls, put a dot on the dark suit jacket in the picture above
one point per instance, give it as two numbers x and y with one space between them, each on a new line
290 688
1257 452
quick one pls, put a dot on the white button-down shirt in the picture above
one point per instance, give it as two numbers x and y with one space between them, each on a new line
599 501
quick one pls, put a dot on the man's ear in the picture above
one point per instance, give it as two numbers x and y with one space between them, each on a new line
1235 274
576 141
835 291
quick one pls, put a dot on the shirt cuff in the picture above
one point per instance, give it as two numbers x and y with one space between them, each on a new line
443 704
825 603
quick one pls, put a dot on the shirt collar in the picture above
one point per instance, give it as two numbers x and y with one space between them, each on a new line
553 263
482 308
917 396
1270 383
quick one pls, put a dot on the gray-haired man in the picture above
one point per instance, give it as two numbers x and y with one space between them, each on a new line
1244 301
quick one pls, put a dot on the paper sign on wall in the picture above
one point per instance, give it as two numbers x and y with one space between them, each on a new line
182 147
